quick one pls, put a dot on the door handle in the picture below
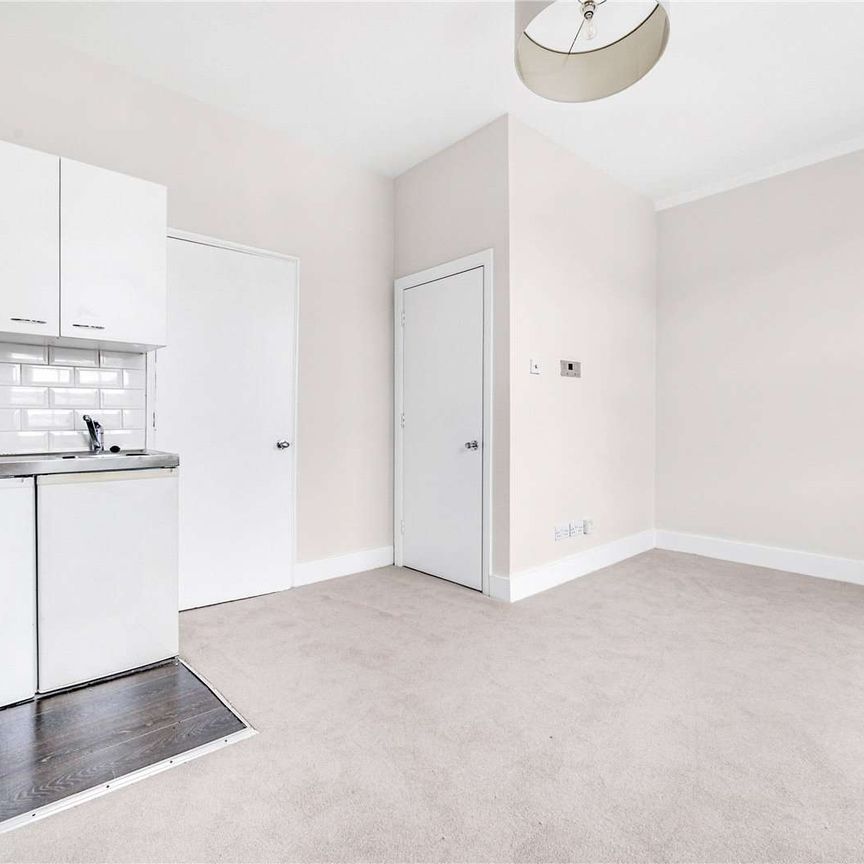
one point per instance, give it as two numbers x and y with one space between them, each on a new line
90 326
283 445
472 445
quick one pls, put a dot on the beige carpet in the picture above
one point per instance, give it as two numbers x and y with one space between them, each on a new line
670 708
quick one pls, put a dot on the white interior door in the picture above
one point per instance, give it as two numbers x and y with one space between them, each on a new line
442 434
225 401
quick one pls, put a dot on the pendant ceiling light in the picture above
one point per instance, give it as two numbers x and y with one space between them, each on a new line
571 51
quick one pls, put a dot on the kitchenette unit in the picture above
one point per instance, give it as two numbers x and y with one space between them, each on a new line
88 515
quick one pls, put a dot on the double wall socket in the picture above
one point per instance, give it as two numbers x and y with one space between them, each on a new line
574 528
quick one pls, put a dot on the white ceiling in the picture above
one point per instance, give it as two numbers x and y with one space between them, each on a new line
744 90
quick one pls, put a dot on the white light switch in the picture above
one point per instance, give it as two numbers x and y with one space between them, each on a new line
536 368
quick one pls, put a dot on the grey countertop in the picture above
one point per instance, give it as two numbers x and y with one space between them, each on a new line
75 463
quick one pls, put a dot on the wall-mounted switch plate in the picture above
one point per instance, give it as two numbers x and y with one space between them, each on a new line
576 528
562 532
535 367
588 526
571 369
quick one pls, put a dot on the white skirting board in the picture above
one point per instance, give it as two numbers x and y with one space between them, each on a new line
775 558
307 572
533 581
528 582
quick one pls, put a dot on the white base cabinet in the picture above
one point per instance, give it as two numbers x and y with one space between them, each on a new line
108 589
17 590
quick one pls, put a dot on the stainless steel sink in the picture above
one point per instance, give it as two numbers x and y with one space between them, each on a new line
70 463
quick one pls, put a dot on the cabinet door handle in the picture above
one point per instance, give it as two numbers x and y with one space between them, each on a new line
28 321
89 326
283 445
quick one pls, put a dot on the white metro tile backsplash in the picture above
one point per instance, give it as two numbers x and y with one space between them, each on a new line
121 360
65 441
46 391
10 374
23 442
73 356
123 399
23 396
99 377
22 353
125 439
36 419
134 379
33 376
132 418
74 397
10 419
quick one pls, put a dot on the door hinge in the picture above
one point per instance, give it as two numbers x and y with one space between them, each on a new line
403 317
402 421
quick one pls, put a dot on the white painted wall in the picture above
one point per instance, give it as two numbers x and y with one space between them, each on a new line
238 181
761 363
582 287
450 206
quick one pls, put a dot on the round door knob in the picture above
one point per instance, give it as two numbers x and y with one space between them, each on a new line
472 445
283 445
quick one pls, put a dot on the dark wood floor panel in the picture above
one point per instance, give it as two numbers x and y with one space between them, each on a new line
64 744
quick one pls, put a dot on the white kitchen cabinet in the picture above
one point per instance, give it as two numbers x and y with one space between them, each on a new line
108 592
29 242
112 256
17 590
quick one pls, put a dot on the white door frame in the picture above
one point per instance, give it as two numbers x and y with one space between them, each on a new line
482 260
204 240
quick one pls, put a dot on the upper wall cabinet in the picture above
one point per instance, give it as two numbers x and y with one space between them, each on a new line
29 241
112 256
82 253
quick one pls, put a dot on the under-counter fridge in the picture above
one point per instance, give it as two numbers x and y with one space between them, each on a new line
108 592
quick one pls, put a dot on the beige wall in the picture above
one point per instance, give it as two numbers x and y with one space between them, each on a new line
240 182
760 351
575 278
761 362
452 205
582 287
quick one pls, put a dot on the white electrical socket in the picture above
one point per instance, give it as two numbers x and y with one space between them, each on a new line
562 532
588 526
576 528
